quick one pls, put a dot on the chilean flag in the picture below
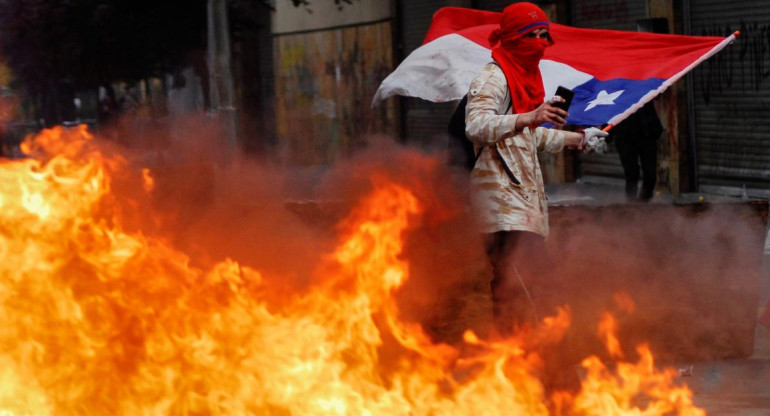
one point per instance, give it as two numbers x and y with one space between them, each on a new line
613 73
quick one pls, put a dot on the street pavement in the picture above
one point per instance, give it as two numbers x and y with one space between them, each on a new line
735 387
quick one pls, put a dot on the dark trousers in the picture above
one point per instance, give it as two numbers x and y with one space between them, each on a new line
518 263
635 153
636 139
526 289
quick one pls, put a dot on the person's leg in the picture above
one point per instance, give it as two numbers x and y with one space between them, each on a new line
648 154
526 289
513 256
523 293
630 162
504 293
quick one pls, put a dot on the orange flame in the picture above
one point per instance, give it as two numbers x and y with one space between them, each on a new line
100 320
624 302
607 329
631 386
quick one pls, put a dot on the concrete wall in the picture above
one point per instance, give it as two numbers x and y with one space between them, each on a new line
328 65
325 14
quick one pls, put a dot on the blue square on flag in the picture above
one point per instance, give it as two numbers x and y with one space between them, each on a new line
596 101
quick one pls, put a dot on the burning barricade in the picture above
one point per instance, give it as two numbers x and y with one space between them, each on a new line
103 315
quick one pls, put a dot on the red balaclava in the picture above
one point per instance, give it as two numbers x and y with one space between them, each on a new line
519 56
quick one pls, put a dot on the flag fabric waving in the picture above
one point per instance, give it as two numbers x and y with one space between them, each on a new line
613 73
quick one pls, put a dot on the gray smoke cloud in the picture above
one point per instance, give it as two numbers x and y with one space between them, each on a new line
693 271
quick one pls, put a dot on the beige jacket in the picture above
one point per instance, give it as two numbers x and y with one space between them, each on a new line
502 204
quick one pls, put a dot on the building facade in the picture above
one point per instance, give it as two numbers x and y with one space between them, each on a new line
329 61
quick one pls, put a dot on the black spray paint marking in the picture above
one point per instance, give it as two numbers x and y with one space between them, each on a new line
745 65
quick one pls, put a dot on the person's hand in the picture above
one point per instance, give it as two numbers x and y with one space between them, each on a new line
594 139
547 113
573 140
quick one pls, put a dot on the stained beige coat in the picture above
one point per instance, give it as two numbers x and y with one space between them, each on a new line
502 204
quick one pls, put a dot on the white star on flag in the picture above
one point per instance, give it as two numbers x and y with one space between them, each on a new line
604 99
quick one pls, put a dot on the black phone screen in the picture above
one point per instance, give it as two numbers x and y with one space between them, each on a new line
565 93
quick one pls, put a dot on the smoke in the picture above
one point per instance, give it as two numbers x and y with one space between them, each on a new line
282 220
692 271
683 278
214 204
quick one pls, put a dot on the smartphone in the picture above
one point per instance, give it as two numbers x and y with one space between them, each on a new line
565 93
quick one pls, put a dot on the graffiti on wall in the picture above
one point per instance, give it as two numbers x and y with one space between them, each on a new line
325 81
744 66
731 92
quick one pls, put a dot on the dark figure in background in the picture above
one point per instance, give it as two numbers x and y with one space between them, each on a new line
107 116
636 139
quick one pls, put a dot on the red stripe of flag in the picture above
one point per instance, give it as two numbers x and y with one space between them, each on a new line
605 54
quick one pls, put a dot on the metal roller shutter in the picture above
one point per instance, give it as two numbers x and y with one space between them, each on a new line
732 95
426 122
493 5
606 14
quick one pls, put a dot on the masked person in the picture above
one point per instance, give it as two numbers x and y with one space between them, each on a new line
503 116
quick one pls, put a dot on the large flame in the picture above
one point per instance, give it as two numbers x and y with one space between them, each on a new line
100 319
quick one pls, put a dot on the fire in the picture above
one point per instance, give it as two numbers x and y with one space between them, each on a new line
100 318
608 329
608 393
